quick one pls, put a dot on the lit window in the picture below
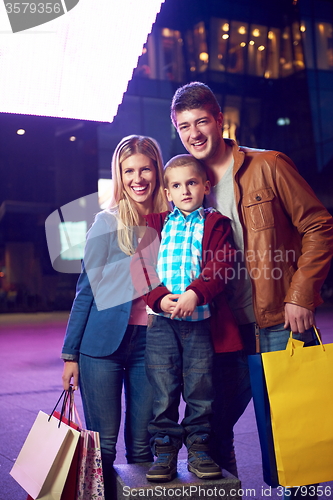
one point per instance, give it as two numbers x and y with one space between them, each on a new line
72 239
105 189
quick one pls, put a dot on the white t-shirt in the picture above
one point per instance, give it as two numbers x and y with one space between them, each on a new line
222 197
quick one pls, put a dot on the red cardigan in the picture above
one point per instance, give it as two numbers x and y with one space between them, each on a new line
217 258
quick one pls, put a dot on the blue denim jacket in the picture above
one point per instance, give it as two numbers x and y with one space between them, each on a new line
104 294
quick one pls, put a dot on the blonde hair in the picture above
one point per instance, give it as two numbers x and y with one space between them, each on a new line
121 204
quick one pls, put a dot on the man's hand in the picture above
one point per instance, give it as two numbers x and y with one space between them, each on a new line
185 305
71 370
168 303
298 318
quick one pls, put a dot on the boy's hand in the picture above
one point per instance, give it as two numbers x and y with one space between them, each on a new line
168 303
185 305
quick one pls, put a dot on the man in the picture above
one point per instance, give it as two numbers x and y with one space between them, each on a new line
284 237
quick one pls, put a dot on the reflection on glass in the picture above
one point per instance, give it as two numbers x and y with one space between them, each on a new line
236 48
200 46
298 48
146 67
172 55
286 56
257 50
324 45
162 56
230 122
273 49
219 43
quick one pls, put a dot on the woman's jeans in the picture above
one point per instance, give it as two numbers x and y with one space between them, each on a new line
179 357
101 382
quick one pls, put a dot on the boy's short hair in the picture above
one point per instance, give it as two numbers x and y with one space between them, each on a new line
194 95
182 161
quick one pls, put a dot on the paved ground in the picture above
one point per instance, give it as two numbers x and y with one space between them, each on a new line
30 380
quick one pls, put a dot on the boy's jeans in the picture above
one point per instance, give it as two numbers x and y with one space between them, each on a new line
179 360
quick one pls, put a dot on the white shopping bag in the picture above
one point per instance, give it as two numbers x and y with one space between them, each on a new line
45 458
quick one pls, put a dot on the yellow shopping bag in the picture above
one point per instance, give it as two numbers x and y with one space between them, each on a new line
300 390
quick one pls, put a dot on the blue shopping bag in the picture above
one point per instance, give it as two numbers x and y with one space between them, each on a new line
264 424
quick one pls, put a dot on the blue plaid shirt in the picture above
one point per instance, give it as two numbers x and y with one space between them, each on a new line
179 258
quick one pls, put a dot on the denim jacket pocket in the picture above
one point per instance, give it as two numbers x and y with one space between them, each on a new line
258 209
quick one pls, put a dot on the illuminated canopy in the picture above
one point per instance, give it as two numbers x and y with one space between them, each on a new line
77 65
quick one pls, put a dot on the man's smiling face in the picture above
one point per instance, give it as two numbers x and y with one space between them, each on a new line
200 133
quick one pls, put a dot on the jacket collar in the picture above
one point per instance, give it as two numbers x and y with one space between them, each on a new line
238 154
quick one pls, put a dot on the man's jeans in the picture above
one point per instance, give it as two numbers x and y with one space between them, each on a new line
179 360
101 382
233 388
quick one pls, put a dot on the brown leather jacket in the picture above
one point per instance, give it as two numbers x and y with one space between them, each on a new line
288 233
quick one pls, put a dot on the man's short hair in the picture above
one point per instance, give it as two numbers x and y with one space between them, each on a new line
184 161
194 95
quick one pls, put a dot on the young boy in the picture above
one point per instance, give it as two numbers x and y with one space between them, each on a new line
193 259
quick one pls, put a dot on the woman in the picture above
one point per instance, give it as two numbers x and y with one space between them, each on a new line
106 332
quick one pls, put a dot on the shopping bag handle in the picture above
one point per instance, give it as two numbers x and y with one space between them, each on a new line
68 400
318 337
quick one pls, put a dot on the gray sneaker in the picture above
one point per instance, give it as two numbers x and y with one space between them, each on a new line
165 466
200 463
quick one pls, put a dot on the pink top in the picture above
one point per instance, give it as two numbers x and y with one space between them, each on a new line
138 313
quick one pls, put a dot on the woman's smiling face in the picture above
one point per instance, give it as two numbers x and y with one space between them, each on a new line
139 179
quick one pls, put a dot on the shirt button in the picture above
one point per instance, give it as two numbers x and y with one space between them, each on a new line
258 198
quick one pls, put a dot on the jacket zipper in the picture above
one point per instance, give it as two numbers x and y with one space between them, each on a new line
257 334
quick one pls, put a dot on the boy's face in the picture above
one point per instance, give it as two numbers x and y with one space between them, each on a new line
200 133
186 188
